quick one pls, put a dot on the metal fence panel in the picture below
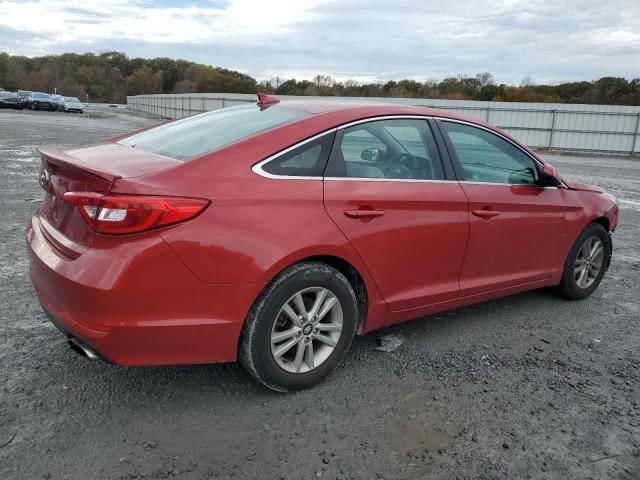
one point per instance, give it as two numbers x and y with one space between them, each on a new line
592 128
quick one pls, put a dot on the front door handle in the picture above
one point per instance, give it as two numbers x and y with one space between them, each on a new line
363 213
486 214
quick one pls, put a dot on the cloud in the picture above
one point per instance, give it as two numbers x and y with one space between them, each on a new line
363 40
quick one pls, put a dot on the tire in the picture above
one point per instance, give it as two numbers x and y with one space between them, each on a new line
258 353
576 285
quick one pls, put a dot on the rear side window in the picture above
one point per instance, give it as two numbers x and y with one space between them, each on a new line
397 149
202 134
307 160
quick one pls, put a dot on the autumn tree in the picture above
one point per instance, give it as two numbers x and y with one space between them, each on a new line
144 80
109 76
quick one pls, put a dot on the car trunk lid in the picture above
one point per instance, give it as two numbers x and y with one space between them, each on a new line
90 169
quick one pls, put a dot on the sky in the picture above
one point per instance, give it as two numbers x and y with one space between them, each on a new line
363 40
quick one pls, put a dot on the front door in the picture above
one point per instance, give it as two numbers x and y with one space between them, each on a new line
517 225
386 190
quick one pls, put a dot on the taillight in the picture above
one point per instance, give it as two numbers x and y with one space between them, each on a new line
121 214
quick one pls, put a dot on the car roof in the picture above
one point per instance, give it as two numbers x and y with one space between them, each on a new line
354 109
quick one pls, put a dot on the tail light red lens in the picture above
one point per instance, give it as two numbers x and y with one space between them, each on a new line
122 214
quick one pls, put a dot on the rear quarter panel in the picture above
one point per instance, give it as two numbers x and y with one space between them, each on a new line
242 238
251 238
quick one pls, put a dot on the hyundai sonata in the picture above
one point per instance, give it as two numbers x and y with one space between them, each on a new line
272 233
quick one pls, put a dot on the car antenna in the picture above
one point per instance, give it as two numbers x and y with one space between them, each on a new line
264 99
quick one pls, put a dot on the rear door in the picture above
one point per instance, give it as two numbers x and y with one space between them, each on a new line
386 189
517 224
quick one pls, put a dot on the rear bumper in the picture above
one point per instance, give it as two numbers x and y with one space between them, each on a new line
87 350
135 303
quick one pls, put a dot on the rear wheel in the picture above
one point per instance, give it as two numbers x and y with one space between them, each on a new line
300 328
587 262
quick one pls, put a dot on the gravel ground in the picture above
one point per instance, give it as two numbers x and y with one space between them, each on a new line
529 386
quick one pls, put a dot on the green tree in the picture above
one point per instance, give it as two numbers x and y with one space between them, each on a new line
144 80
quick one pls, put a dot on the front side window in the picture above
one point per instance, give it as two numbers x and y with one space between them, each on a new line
487 158
387 149
308 160
205 133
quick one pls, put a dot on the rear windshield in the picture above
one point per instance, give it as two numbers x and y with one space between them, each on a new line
201 134
40 95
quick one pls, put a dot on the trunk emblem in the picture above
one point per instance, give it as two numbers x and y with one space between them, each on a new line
44 178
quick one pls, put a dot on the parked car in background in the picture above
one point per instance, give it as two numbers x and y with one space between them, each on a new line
10 100
25 97
71 104
41 101
272 233
57 100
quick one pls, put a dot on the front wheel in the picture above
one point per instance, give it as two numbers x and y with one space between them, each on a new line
587 262
300 327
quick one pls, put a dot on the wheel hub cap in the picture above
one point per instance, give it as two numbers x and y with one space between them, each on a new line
306 330
588 263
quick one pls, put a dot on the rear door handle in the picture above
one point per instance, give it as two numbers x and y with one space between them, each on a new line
363 213
486 214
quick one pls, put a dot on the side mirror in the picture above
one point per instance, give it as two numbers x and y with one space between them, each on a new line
526 176
367 154
549 175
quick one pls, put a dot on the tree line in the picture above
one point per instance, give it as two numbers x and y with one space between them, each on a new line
111 76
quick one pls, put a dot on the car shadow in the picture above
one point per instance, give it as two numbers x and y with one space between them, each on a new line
186 382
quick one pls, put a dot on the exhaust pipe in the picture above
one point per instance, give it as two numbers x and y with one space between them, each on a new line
82 349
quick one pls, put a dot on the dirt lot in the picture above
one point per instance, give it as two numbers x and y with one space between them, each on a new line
529 386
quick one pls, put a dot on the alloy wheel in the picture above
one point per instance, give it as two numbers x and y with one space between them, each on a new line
306 330
588 263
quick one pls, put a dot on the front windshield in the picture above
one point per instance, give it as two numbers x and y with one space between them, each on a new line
71 99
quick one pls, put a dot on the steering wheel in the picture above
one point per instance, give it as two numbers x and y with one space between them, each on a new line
395 167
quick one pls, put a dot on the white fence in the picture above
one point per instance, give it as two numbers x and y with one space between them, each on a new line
612 129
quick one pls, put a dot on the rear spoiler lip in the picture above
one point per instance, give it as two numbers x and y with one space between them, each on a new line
59 157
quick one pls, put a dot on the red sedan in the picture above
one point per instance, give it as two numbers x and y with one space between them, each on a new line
272 233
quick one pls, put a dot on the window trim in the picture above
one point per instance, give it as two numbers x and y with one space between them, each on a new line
320 137
257 168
